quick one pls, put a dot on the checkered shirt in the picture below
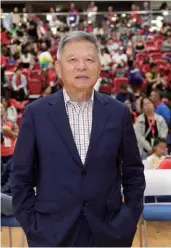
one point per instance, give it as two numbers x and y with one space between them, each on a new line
80 119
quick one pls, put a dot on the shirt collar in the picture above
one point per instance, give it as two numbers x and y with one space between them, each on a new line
67 98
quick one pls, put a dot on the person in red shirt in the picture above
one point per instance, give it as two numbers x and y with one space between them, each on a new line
4 38
10 133
19 85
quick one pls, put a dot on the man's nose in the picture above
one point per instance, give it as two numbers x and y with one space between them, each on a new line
81 65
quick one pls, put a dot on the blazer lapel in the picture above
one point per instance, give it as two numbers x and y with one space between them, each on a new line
99 120
58 115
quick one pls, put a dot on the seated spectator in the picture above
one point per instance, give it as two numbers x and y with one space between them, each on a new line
139 45
13 30
50 78
163 109
166 45
120 71
124 95
133 113
26 59
9 110
153 78
11 60
135 77
86 27
112 46
158 154
137 36
6 197
4 38
98 31
10 133
146 33
105 58
165 164
119 57
19 85
148 127
33 31
44 57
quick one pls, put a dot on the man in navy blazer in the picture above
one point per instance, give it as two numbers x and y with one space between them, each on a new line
69 146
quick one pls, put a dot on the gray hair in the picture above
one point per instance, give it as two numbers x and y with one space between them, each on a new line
77 36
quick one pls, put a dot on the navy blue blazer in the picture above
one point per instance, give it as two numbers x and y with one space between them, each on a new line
46 153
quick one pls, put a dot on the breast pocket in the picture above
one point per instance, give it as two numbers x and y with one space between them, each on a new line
112 135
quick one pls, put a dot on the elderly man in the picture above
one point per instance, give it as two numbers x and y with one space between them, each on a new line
70 144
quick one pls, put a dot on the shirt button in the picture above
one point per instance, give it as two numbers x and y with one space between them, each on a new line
85 203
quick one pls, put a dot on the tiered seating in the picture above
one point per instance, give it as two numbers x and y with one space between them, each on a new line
117 83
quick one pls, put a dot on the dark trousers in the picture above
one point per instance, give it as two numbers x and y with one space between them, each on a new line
5 159
18 95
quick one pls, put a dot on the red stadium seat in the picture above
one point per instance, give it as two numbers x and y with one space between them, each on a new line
141 56
36 66
163 63
18 105
19 118
155 55
145 68
158 38
158 45
105 74
106 89
118 81
35 86
36 74
11 67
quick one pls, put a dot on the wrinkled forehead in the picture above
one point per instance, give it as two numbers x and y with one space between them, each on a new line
79 48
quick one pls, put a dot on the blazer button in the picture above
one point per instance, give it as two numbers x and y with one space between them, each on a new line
85 203
84 173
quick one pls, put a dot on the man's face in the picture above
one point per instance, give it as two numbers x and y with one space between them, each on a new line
72 5
15 9
154 97
154 69
79 65
161 149
124 91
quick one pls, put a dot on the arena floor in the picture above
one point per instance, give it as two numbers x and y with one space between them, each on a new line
155 238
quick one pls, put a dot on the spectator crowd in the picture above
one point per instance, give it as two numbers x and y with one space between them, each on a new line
136 70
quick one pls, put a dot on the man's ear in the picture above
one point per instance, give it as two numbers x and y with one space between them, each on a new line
58 68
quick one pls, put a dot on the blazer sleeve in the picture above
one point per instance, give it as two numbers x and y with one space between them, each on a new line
23 172
133 179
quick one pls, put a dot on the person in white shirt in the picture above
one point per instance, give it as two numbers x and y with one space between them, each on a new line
158 155
105 58
91 13
26 59
98 31
112 46
9 110
120 58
